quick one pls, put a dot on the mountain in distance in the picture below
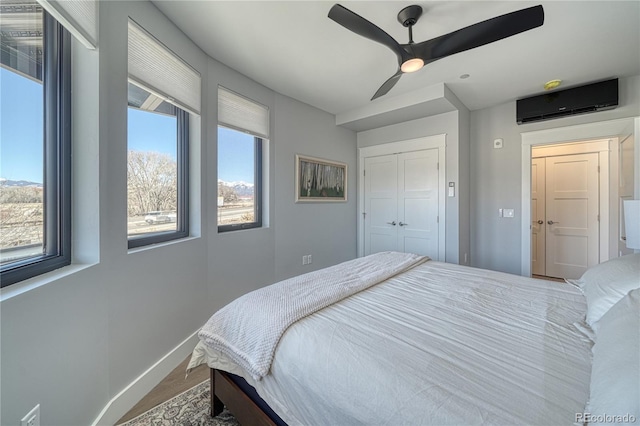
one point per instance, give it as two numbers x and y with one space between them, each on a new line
243 189
19 183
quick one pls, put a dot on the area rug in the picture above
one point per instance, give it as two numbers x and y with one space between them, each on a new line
190 408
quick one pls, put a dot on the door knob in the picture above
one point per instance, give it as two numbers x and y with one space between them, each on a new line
550 222
540 222
392 223
403 224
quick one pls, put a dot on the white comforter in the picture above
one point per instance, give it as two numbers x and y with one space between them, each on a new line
248 329
439 344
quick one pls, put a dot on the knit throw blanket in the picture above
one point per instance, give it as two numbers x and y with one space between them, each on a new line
248 329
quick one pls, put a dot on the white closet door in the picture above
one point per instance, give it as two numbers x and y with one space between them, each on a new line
572 214
538 222
381 204
418 202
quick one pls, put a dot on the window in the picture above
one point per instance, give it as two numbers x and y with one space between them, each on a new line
243 128
157 169
35 168
239 180
163 92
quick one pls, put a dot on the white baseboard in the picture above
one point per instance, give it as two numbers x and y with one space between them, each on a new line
136 390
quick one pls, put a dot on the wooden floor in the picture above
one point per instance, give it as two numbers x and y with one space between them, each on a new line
170 386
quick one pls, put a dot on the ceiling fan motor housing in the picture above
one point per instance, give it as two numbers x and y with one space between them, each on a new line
409 15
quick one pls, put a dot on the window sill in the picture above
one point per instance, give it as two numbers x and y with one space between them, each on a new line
41 280
241 230
162 244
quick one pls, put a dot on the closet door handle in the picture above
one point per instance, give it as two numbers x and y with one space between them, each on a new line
550 222
392 223
403 224
540 221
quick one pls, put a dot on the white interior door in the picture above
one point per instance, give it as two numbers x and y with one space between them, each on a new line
538 223
418 202
381 204
572 231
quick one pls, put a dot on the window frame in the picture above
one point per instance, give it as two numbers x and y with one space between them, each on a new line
182 160
56 64
257 190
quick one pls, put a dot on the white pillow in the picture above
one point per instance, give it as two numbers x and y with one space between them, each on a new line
605 284
615 374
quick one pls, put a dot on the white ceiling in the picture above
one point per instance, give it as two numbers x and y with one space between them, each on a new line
294 49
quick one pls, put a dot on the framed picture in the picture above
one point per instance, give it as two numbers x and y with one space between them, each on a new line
319 180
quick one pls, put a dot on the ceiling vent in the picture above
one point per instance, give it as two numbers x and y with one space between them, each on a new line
578 100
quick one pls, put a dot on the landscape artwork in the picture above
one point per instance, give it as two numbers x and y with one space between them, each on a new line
319 180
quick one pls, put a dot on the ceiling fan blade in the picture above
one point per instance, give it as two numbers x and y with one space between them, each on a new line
388 85
479 34
359 25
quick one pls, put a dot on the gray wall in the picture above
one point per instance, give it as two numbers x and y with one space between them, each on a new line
72 340
496 175
326 231
463 188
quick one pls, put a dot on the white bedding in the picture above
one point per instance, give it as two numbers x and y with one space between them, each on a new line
439 344
248 329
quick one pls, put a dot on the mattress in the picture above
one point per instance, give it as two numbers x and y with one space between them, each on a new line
439 344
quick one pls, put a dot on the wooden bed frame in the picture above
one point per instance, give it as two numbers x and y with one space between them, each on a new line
225 392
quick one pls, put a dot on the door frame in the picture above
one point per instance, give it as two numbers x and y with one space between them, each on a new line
540 258
562 135
419 144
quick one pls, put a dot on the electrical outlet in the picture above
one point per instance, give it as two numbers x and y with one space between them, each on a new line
309 260
33 418
305 260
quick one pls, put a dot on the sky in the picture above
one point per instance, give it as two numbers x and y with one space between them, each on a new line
21 156
148 131
20 127
235 156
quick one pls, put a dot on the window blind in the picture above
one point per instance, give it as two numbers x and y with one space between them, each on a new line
79 17
158 70
243 114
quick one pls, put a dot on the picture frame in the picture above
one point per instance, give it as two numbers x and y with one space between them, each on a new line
320 180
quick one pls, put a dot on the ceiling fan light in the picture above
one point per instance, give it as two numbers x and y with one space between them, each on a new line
412 65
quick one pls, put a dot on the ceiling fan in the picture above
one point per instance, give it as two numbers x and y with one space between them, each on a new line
413 56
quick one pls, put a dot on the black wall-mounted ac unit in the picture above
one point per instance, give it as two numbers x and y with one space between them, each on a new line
578 100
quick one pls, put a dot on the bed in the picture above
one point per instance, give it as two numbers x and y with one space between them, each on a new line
428 342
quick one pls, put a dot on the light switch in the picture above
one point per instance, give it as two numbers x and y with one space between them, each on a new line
508 213
452 189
